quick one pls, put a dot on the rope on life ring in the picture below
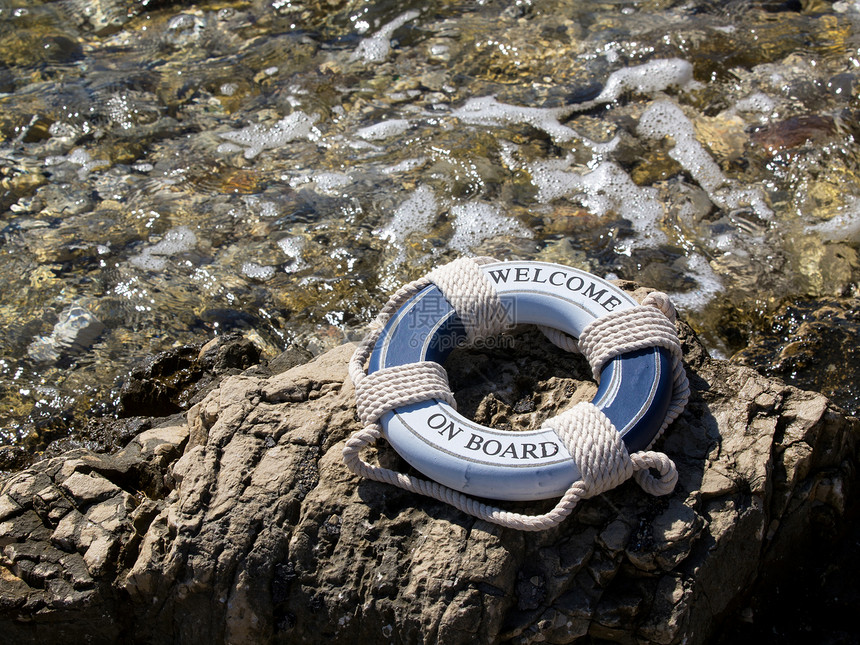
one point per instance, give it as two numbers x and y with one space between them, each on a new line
479 307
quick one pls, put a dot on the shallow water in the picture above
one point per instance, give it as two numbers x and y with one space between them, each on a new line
172 171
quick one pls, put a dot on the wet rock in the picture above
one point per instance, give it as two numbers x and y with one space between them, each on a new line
241 524
100 434
794 132
19 47
154 387
168 382
107 16
65 528
7 80
154 393
811 344
184 30
792 600
13 458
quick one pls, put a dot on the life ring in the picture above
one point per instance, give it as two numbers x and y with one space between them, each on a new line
635 389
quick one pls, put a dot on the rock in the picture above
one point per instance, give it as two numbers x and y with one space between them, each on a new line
793 132
290 357
67 525
242 524
13 458
169 381
811 344
89 488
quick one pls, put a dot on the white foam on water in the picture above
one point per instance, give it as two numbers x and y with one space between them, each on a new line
257 271
844 227
733 197
486 110
601 149
119 110
553 179
256 138
377 47
476 222
148 261
261 207
649 78
328 183
654 76
507 154
79 157
709 284
176 240
666 119
404 166
757 102
292 248
605 189
416 213
847 6
383 130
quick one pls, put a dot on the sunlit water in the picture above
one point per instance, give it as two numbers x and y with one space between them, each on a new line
174 172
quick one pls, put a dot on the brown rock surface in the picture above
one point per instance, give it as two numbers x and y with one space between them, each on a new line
243 526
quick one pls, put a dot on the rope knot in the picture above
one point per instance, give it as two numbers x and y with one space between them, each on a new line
595 447
600 455
646 460
626 331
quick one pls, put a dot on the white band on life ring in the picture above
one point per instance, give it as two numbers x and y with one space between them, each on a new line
634 392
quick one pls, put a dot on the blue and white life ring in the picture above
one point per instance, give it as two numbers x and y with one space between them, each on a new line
635 389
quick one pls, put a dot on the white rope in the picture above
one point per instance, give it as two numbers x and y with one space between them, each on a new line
560 339
392 387
652 324
599 452
590 437
473 297
362 353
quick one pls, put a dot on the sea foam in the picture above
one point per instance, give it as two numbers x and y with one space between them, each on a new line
666 119
383 130
486 110
654 76
176 240
256 138
377 47
844 227
605 189
476 222
415 213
